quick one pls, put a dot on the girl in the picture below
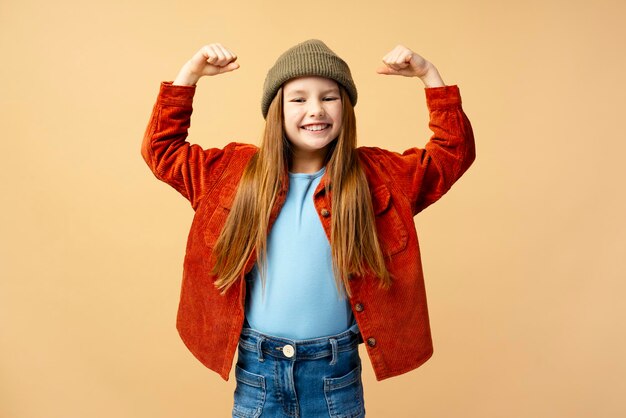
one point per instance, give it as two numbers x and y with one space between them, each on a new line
304 247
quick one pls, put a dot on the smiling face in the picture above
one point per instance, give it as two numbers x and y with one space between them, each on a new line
313 112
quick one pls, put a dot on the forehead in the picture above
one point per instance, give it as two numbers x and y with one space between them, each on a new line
310 84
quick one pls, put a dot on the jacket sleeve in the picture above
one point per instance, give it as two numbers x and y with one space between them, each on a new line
187 167
427 174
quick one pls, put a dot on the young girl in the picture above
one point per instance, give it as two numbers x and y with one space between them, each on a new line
304 247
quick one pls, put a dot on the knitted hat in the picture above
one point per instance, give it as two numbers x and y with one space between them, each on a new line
309 58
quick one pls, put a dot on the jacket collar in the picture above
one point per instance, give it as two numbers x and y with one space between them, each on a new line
320 187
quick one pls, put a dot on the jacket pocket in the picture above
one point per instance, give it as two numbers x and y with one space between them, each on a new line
215 223
392 233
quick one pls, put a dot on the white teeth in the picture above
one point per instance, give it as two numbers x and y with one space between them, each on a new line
315 127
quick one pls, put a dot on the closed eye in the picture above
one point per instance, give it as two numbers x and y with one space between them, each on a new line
325 99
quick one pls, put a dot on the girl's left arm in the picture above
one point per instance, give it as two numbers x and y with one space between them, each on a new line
426 174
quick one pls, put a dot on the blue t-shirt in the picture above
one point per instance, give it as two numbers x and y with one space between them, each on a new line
301 300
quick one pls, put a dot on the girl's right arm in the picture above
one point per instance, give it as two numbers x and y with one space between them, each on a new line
187 167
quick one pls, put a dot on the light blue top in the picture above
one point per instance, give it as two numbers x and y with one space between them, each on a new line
301 300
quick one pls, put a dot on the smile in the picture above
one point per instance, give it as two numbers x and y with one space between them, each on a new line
314 128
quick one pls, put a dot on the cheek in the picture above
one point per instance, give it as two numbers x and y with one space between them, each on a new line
337 113
338 118
289 126
290 120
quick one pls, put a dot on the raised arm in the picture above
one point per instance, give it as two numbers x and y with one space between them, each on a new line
187 167
425 174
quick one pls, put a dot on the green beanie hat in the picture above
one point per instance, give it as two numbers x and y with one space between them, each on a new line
309 58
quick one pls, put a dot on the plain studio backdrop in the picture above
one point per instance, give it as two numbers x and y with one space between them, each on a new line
524 258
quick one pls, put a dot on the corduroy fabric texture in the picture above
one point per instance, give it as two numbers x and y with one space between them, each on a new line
309 58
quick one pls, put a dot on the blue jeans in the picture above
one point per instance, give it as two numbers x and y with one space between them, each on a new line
279 377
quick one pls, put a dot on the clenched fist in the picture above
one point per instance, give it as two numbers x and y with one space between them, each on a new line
402 61
210 60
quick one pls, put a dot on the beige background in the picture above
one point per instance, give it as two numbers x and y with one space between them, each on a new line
524 258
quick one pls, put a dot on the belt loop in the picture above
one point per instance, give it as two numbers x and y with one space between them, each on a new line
333 343
259 349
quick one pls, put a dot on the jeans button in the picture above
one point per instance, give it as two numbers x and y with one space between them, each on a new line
288 351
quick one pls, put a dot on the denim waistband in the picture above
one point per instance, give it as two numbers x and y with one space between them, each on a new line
310 349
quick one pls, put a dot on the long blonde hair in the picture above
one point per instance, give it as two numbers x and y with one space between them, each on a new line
354 243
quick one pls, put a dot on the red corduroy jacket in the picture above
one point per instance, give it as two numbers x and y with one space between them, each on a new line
394 323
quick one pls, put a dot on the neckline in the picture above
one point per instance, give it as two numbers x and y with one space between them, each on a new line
308 175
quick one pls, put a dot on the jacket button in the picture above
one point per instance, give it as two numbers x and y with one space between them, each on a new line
325 213
371 342
358 307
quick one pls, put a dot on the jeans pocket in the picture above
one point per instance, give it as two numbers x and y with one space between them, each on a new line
344 395
249 394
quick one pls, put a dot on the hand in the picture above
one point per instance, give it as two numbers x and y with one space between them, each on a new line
402 61
210 60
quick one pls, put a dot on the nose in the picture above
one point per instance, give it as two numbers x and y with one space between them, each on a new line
317 108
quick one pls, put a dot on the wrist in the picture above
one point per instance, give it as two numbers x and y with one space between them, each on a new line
432 77
186 77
